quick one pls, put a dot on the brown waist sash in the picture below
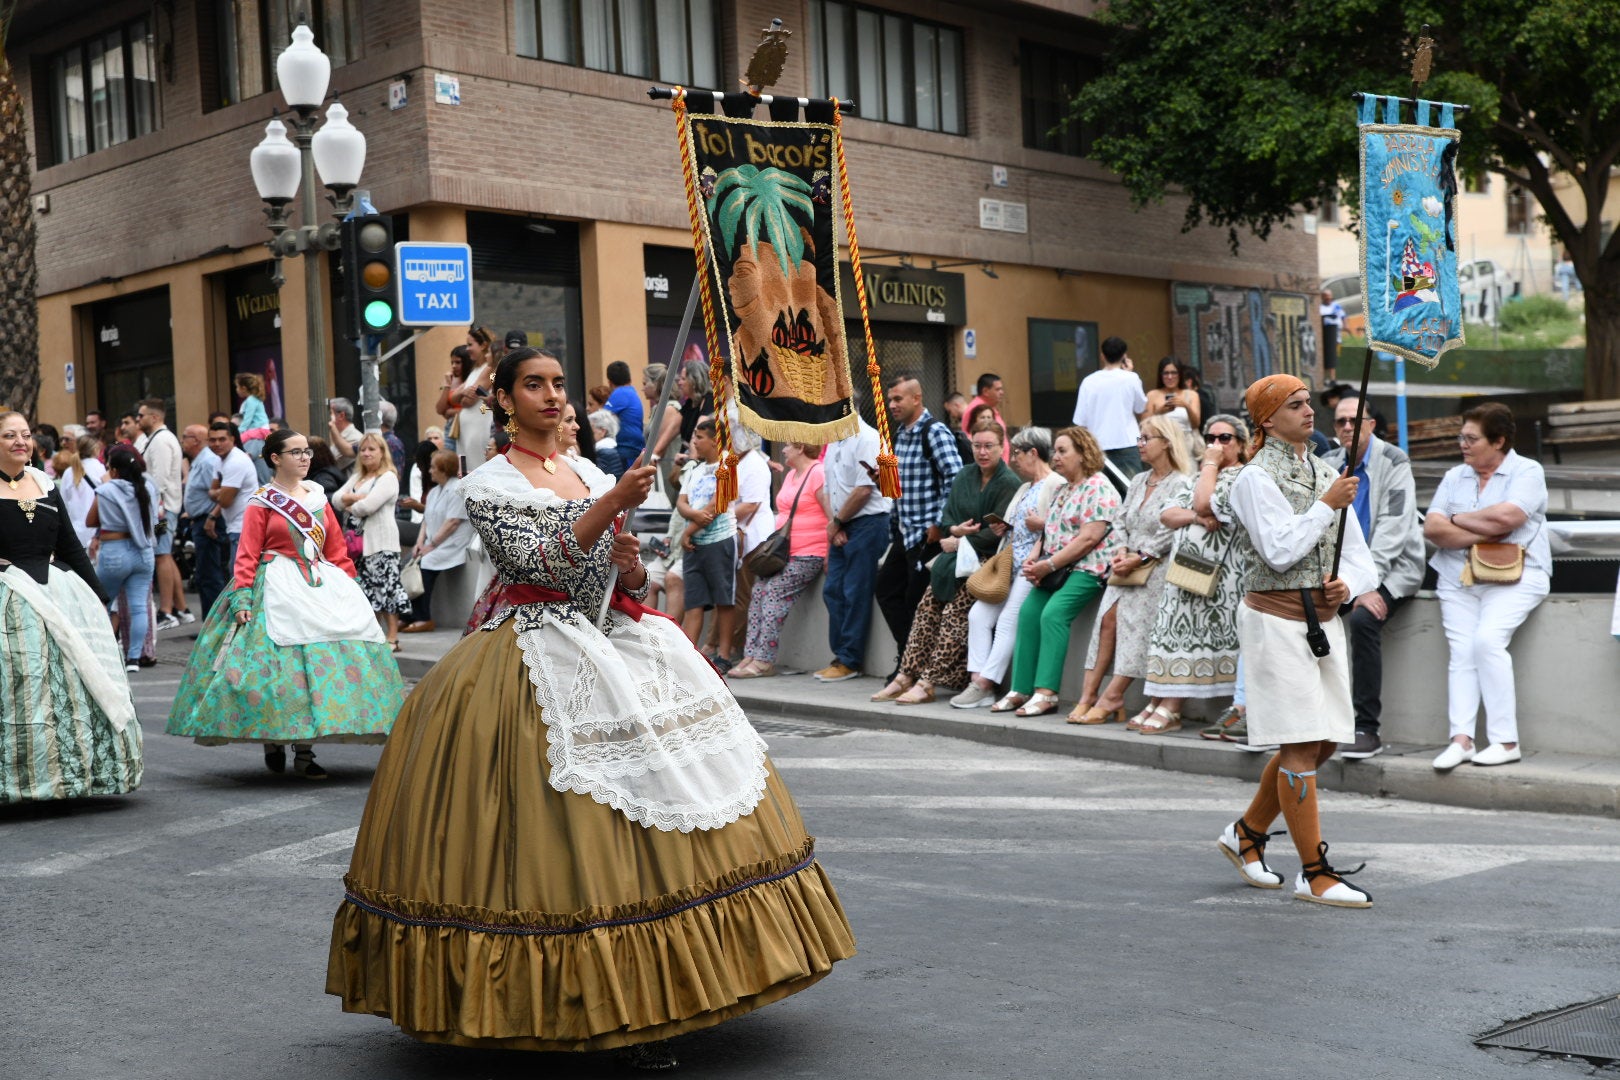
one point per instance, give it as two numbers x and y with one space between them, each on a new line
1286 604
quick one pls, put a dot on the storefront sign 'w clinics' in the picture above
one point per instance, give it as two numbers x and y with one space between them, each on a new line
765 192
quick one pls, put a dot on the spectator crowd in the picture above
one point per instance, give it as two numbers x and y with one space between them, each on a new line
1000 540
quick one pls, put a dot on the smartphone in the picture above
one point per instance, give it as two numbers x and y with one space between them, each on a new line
992 519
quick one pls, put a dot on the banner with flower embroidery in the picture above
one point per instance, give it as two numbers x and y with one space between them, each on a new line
766 191
1409 231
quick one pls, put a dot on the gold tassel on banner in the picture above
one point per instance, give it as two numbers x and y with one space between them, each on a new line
888 463
726 476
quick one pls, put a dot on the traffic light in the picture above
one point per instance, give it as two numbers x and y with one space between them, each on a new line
368 269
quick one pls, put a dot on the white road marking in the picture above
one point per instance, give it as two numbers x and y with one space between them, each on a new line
1081 804
290 860
956 893
945 765
64 861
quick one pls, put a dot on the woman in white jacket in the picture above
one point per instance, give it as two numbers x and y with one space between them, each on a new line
369 496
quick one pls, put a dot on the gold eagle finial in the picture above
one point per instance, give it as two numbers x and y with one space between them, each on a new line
770 56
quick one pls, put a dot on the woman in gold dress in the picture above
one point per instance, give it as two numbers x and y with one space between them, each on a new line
575 839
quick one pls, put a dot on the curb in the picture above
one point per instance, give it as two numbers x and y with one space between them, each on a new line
1545 783
1541 783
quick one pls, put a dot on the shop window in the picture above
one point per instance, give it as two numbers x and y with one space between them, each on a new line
134 353
674 41
1518 211
895 68
1051 78
103 90
240 40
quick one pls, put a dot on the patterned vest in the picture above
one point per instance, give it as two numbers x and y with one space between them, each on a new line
1301 482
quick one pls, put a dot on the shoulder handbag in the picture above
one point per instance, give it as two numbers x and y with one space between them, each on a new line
1493 564
1196 574
1138 577
771 554
410 576
991 583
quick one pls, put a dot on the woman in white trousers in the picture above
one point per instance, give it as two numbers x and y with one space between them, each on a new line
1494 497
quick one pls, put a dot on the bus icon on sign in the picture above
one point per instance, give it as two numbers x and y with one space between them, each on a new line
435 270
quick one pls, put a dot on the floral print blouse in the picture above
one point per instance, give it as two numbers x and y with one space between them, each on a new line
1074 507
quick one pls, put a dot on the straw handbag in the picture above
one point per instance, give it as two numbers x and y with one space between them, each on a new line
992 581
1494 564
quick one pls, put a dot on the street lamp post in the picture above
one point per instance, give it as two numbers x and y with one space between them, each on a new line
281 167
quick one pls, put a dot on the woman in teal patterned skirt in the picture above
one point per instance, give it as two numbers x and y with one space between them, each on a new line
292 654
67 724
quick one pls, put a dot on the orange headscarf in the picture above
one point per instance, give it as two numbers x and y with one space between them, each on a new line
1265 396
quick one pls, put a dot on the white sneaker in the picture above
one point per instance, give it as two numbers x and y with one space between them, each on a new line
132 667
1341 895
1454 755
1257 873
165 621
974 697
186 617
1496 754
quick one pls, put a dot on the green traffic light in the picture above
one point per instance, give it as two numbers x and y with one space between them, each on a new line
379 313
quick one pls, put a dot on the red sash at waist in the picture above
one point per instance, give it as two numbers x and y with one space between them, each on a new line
539 594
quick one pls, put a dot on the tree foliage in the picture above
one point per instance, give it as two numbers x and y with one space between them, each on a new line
1245 108
19 313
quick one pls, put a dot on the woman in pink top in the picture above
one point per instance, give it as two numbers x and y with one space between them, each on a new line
807 548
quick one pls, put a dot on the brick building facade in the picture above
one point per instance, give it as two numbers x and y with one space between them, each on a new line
565 179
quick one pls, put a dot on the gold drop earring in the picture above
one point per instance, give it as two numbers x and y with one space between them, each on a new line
510 427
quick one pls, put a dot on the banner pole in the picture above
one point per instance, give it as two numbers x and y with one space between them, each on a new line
653 428
1421 62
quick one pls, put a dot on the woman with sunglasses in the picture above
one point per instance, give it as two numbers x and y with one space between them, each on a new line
293 652
1193 649
1128 610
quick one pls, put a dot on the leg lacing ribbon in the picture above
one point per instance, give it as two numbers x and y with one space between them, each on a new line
1320 867
1256 839
1304 788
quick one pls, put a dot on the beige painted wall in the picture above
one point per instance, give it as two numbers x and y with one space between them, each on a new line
998 311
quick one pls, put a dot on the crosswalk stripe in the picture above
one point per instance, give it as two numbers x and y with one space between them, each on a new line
292 859
64 861
1082 804
945 765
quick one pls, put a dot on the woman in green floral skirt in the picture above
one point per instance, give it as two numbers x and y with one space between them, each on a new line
293 653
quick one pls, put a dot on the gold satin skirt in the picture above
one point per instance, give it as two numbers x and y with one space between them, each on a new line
484 908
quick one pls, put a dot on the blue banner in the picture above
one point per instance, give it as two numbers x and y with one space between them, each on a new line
1409 231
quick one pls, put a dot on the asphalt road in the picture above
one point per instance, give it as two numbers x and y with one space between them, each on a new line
1018 915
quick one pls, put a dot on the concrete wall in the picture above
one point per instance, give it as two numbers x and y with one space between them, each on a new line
1564 658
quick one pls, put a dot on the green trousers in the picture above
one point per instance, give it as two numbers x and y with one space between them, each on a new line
1042 644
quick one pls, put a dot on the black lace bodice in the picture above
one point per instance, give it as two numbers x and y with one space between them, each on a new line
30 545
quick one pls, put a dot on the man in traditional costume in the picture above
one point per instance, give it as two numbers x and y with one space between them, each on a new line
1296 660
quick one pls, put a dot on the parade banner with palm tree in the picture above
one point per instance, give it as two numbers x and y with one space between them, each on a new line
1409 231
765 209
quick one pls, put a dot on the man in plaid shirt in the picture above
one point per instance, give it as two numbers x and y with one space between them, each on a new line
929 462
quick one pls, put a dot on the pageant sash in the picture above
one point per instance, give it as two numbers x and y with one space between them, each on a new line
766 190
1409 231
298 518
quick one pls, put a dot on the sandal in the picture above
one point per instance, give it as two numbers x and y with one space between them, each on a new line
1039 704
745 670
1097 715
1341 894
921 693
1160 722
1135 722
1237 840
1008 703
897 686
393 646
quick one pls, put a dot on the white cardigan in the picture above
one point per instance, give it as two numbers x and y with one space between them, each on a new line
375 511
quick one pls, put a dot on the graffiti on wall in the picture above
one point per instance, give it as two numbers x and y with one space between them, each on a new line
1238 334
